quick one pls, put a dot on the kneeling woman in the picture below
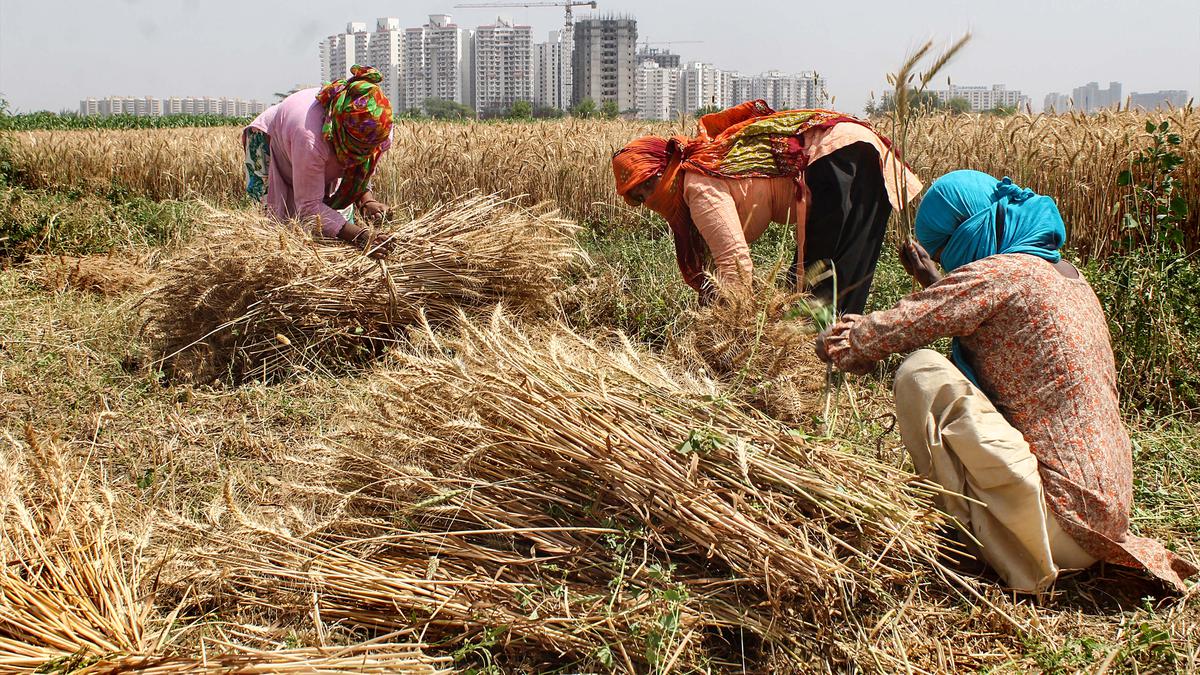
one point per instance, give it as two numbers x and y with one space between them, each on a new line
1025 422
828 174
312 155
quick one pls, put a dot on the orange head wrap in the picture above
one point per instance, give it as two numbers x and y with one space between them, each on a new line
637 162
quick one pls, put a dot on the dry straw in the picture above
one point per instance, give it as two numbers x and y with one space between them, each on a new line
76 596
567 501
257 300
759 343
106 275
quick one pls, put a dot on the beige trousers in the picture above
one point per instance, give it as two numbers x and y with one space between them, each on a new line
958 439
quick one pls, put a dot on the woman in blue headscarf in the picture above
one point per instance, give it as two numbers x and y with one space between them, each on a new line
1025 423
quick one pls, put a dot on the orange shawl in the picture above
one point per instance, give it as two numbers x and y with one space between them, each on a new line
710 151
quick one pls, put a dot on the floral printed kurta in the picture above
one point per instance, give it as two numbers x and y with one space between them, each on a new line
1040 346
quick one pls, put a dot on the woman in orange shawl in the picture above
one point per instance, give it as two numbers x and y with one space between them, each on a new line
828 174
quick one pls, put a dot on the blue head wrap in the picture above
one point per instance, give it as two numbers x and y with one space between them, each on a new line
958 216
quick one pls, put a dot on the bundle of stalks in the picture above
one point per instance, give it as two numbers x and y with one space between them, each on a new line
588 499
468 588
759 343
66 586
106 275
75 596
256 300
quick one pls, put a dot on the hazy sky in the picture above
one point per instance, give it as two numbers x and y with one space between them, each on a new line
54 52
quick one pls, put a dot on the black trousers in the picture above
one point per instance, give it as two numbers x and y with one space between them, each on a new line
847 221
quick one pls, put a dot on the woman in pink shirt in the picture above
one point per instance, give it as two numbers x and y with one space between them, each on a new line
312 155
827 174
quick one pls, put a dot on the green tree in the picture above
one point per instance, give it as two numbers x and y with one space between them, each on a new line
919 101
546 112
520 110
610 110
958 105
707 110
585 108
443 109
1003 110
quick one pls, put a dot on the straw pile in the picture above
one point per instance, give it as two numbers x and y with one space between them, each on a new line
105 275
759 344
77 596
258 301
568 502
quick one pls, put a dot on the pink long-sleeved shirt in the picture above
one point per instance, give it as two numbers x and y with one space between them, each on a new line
304 168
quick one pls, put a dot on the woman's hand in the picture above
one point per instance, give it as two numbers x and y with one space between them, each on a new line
919 264
376 245
835 337
373 210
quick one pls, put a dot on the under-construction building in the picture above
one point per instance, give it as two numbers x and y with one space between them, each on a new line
605 61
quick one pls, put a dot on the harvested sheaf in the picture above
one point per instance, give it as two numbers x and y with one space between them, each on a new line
759 344
76 596
255 300
574 503
106 275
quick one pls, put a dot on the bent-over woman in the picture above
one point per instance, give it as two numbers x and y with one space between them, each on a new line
1025 421
828 174
312 155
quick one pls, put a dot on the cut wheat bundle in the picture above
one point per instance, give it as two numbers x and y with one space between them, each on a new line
76 596
759 344
256 300
106 275
530 472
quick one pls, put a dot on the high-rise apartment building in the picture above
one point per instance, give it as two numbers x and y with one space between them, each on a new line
342 51
703 85
663 57
1091 98
504 72
657 91
982 98
438 63
787 91
741 88
382 49
605 61
1168 98
385 52
552 64
1056 102
150 106
1088 98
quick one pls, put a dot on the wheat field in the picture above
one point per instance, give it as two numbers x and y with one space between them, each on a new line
232 447
1074 158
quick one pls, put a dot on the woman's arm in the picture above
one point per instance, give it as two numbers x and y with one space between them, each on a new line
954 307
716 217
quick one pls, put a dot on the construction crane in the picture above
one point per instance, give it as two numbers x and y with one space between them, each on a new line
647 43
568 5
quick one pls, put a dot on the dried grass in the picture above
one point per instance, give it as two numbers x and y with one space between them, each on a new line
106 275
77 595
255 300
759 344
584 498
